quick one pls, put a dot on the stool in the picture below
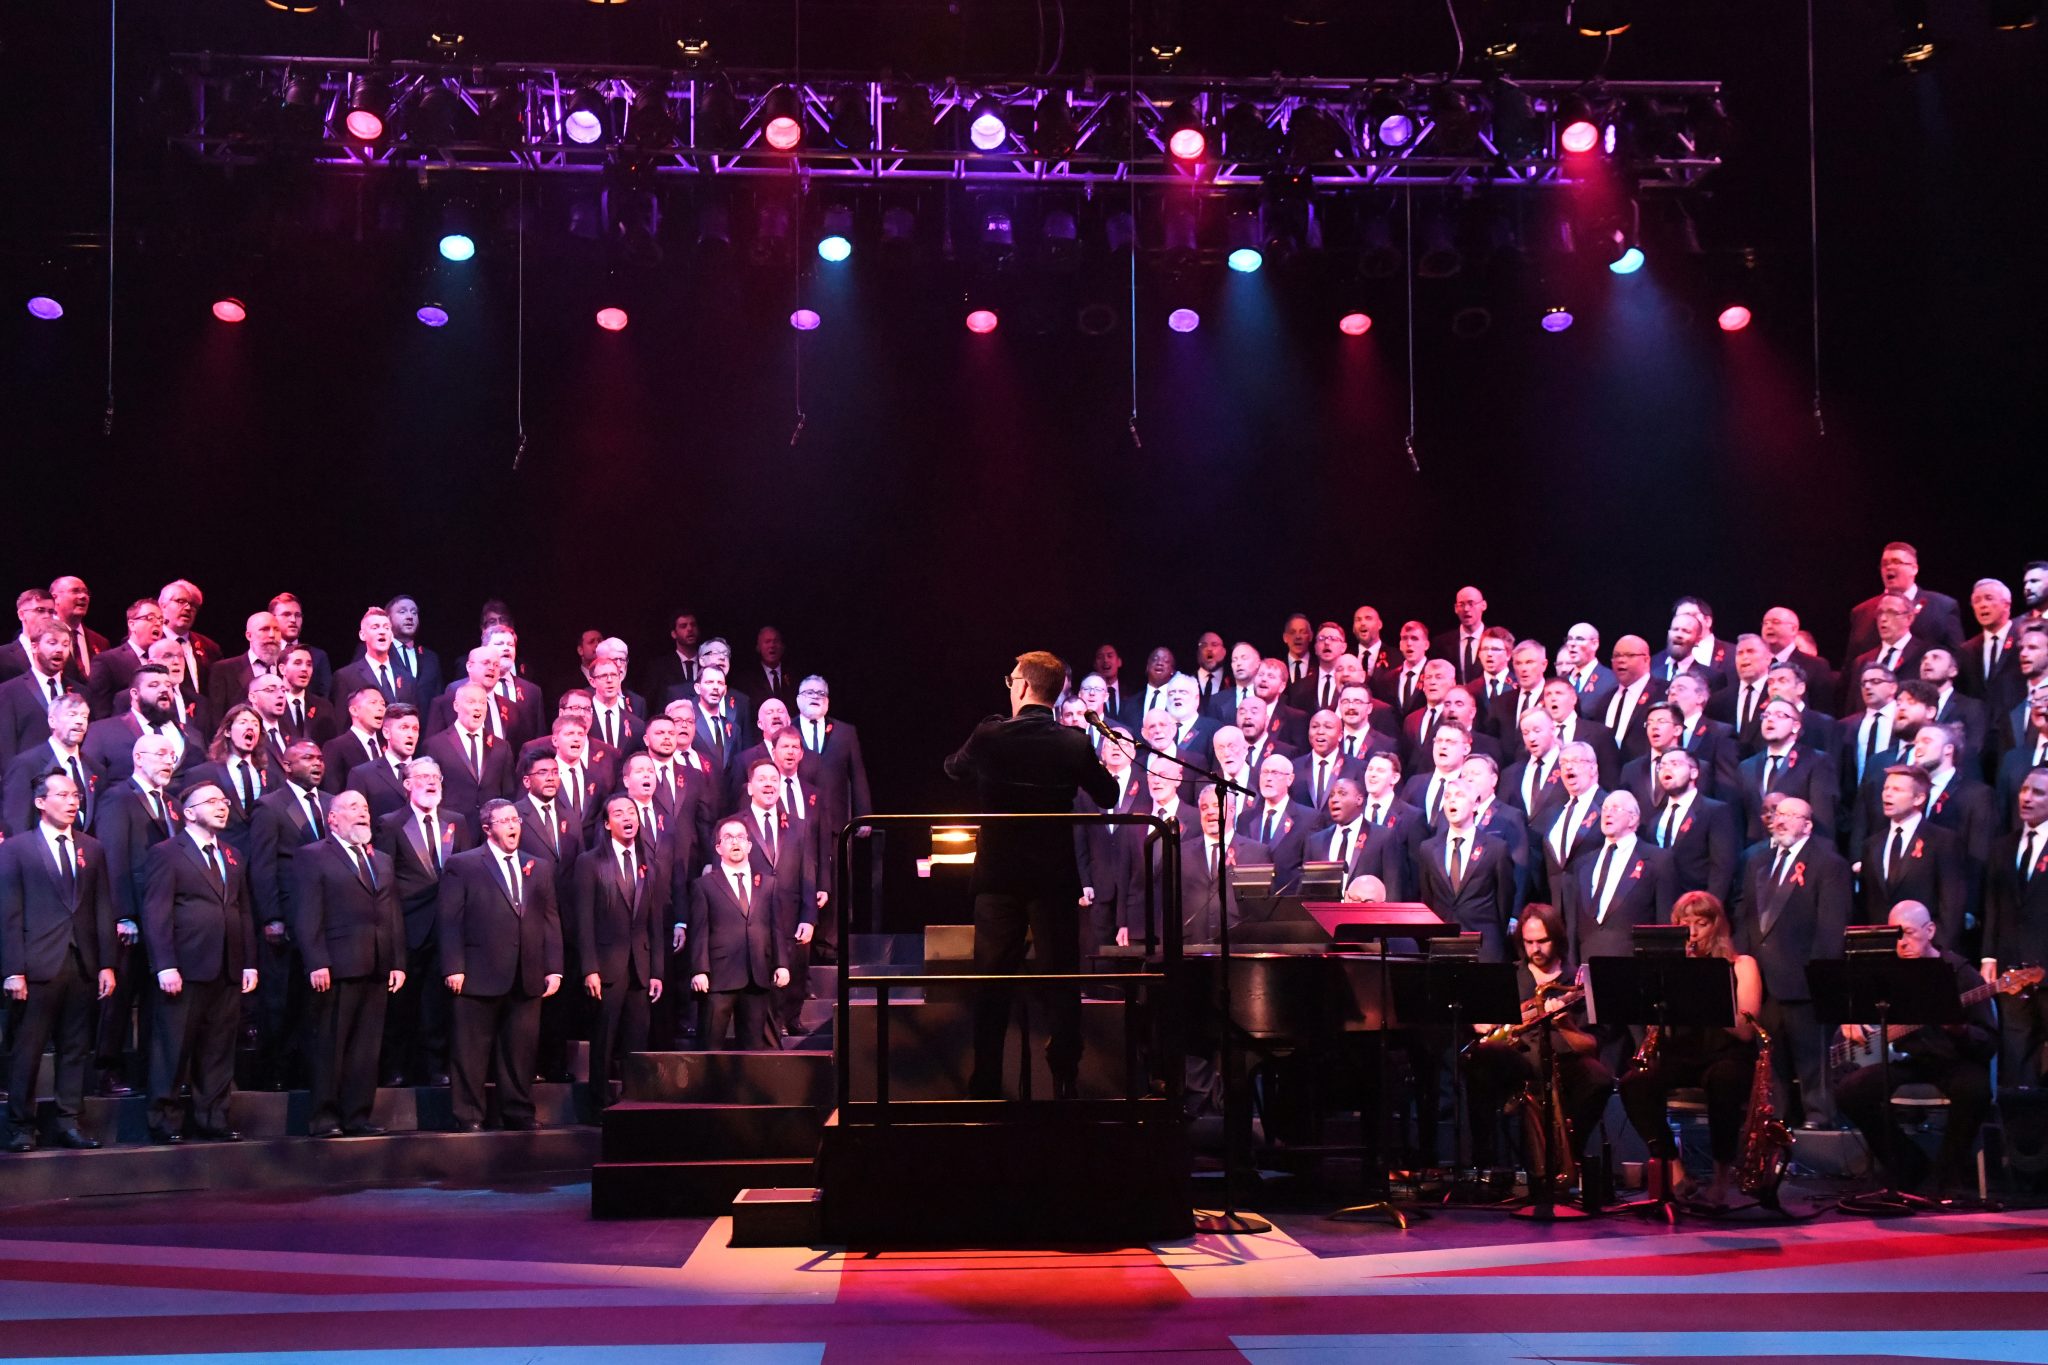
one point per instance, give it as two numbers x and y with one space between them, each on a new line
1686 1104
1923 1102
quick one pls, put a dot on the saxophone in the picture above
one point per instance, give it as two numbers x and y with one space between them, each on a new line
1765 1137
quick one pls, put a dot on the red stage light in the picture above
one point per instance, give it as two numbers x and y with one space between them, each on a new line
1354 324
1580 135
783 132
364 125
612 319
1188 144
230 310
981 321
1734 318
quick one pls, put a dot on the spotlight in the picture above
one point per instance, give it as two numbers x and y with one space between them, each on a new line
1185 140
46 308
997 228
1915 44
1629 262
1455 128
1354 324
1183 320
1315 137
369 101
1246 260
293 6
1734 318
1379 258
782 125
432 314
1246 136
1390 120
837 243
981 321
714 226
2011 16
1600 18
1517 132
911 119
1245 257
230 310
848 124
612 319
715 124
584 123
1578 133
457 246
1556 319
1052 127
804 320
502 120
304 105
986 127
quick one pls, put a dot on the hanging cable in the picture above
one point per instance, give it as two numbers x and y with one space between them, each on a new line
113 104
796 342
519 341
1458 32
1820 425
1408 252
1130 159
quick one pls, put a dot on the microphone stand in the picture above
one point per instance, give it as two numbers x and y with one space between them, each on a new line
1228 1221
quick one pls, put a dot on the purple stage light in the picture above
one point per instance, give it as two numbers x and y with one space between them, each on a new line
1556 319
1183 319
433 314
804 320
44 307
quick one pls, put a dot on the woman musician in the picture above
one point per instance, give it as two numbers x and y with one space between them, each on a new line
1722 1061
1498 1071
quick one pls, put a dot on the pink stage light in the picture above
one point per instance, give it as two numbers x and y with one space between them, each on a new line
981 321
1183 319
1734 318
1579 136
1187 144
612 319
783 132
230 310
364 125
804 320
1354 324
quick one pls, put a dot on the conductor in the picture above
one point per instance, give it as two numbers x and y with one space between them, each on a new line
1024 874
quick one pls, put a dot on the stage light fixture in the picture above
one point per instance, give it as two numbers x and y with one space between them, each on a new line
432 314
440 117
911 119
1052 127
1557 318
1578 132
1119 232
1185 139
1391 120
1734 318
1246 136
304 101
1915 46
998 229
1315 137
805 320
1439 257
1600 18
1517 133
457 246
1245 237
369 100
230 310
715 115
45 308
987 128
837 242
982 321
1378 257
899 228
2012 16
1354 324
293 6
1183 320
612 319
584 123
1454 126
782 124
771 233
1629 262
848 124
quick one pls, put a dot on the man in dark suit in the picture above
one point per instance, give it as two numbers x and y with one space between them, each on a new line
1466 876
724 730
674 675
843 771
551 829
227 682
1461 646
1988 663
288 818
1702 835
1418 727
1400 686
151 708
1572 829
136 814
739 958
1865 743
71 602
1323 764
1794 903
1278 823
1204 901
1740 705
1497 818
1897 650
2016 926
202 946
69 717
1148 694
1533 785
424 665
1562 705
1635 689
56 949
620 913
25 699
476 766
308 714
785 846
360 743
1710 742
1934 617
1908 858
1682 638
1625 882
351 939
1528 666
1318 690
1965 807
1787 768
1025 879
1952 706
1578 664
770 674
377 667
420 838
382 779
1787 679
291 619
501 955
113 669
1425 789
180 602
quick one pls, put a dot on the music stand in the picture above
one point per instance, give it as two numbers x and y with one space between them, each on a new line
1667 992
1892 990
1457 983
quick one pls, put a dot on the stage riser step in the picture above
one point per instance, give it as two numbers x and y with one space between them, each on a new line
775 1218
931 1051
791 1077
262 1114
467 1160
642 1131
684 1189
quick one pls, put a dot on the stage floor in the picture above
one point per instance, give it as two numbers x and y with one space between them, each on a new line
523 1274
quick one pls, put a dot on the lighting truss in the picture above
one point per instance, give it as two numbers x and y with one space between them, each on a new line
710 123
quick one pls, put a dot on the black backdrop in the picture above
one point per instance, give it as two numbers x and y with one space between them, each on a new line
954 500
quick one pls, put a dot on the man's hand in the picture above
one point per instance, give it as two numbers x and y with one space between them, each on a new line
781 977
106 982
248 979
274 932
654 990
675 942
701 984
454 983
593 986
169 982
554 984
395 982
128 931
804 932
1087 895
322 979
823 896
1123 938
1855 1034
1988 969
17 987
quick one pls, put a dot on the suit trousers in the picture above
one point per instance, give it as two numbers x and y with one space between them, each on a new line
193 1040
347 1028
416 1018
129 1012
618 1025
1000 925
750 1013
2023 1022
1799 1051
1968 1087
60 1011
498 1036
279 1011
789 1003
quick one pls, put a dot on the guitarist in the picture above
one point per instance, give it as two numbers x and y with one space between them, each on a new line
1954 1058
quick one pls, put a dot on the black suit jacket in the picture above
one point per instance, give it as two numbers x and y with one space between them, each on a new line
461 789
1644 896
113 672
1931 872
111 744
353 677
127 829
1548 797
227 683
1706 848
342 754
1807 774
1292 824
794 869
668 680
1202 902
2003 688
2016 907
1028 763
1483 900
1624 720
17 789
735 944
379 785
1908 667
24 713
190 920
1788 923
1544 862
843 773
43 915
1302 793
278 828
1713 747
621 933
400 838
1937 620
340 922
487 942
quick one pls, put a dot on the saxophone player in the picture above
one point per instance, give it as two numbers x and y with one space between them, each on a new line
1498 1071
1722 1061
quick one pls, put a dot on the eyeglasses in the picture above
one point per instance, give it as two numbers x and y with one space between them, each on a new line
1010 680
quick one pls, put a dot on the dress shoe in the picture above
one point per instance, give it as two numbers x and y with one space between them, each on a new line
365 1130
439 1078
22 1142
164 1139
114 1089
469 1127
219 1135
71 1137
392 1081
519 1125
325 1131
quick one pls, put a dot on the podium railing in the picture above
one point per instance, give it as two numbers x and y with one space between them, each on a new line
1162 944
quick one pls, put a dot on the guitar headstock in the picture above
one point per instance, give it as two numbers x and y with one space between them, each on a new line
2017 979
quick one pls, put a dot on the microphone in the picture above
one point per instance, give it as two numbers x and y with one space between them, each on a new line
1094 718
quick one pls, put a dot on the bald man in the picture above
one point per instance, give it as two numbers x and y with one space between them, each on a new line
227 682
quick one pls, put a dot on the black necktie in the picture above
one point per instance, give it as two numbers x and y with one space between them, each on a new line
1869 745
433 841
376 748
1266 830
739 889
2026 868
78 780
65 867
768 835
1896 854
1748 703
384 683
1670 819
1771 773
789 805
1600 881
1322 780
313 815
1991 653
298 715
1778 866
1436 799
1373 813
1327 700
476 757
213 865
1457 862
512 886
51 683
1344 847
632 882
1566 819
363 868
156 803
242 781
